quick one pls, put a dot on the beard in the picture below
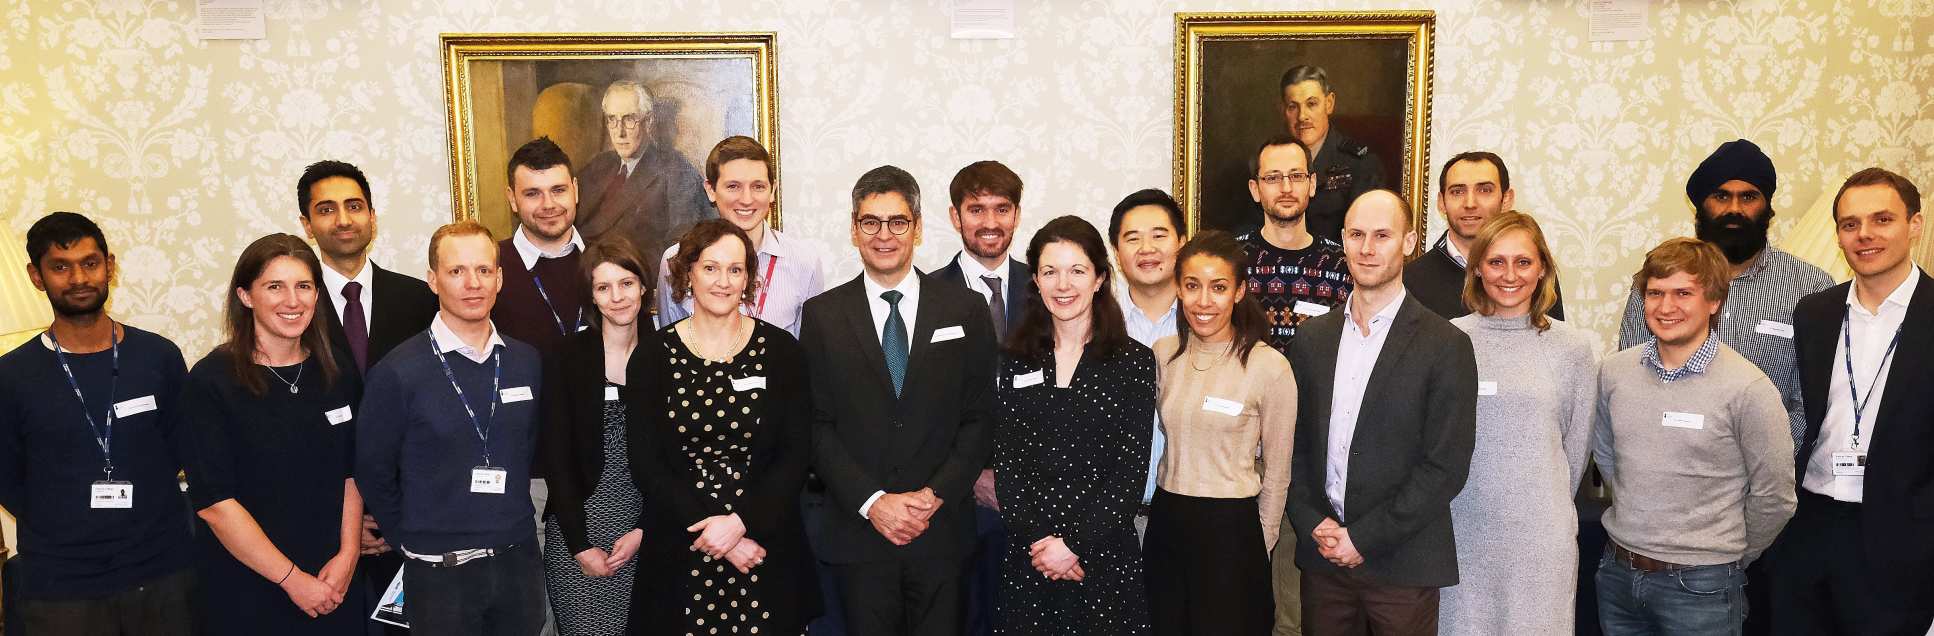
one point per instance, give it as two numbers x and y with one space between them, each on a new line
1281 216
1738 237
70 309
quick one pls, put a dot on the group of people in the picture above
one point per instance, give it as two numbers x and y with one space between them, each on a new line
1279 431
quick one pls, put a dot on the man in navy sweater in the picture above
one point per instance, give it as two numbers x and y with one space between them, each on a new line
443 455
88 455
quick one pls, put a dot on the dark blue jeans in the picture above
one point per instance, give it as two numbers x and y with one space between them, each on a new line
1696 601
502 595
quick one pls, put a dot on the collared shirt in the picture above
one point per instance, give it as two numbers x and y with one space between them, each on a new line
1356 357
631 162
334 281
447 341
787 277
1694 364
909 289
1146 331
971 270
1872 333
529 252
1450 247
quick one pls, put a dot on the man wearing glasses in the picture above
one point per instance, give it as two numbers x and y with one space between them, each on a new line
640 189
1473 187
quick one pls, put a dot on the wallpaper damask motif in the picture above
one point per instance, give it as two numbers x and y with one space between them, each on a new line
187 150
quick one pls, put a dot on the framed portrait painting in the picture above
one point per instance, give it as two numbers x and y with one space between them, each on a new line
1354 87
636 113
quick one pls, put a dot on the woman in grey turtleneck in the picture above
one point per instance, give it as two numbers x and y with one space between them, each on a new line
1517 556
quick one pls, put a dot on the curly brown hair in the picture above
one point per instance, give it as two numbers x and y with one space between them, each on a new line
702 236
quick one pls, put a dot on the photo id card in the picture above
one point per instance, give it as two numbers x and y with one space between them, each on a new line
1850 463
111 495
488 480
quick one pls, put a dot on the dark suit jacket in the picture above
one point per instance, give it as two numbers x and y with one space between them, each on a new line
570 438
1897 509
1020 285
404 307
1438 282
1409 457
938 433
661 199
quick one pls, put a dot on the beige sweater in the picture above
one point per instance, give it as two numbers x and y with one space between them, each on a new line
1212 454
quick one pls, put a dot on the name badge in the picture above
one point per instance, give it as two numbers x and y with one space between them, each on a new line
130 408
1692 421
1308 308
1850 463
1485 387
610 394
487 480
111 495
1028 379
944 334
515 394
1215 404
749 383
337 416
1772 328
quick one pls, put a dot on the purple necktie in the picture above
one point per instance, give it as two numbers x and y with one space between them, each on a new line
353 325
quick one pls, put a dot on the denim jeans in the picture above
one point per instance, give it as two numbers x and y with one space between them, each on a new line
1696 601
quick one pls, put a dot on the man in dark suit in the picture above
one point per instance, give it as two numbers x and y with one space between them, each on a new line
1856 557
1374 478
370 309
903 432
1344 168
641 189
986 206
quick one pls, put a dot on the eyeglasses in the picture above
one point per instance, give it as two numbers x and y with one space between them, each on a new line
630 122
897 225
1277 178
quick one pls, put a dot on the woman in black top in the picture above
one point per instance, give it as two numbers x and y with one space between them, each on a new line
721 402
270 416
1071 456
593 529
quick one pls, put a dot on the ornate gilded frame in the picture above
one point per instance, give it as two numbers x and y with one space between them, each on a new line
461 49
1193 30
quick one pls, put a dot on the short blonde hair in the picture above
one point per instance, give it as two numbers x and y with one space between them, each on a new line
459 228
1701 259
1543 297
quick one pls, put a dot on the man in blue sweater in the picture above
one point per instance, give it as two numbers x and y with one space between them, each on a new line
443 455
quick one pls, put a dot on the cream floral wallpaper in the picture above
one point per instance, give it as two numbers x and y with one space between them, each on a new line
186 150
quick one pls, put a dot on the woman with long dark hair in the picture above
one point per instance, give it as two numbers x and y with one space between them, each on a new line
269 416
1228 406
1075 395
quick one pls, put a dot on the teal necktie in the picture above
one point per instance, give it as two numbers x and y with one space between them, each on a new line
893 340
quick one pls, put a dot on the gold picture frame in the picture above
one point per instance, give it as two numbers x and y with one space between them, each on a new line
1229 68
503 89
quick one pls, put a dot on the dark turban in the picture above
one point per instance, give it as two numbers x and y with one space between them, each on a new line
1737 159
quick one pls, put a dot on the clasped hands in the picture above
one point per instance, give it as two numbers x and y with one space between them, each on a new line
596 562
902 517
1333 543
1051 556
723 537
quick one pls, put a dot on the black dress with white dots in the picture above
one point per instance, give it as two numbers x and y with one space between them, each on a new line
1071 462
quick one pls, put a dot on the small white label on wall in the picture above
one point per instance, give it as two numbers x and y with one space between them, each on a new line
1620 20
229 20
983 19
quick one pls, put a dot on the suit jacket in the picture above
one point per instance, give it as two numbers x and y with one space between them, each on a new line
1019 285
404 307
1897 513
938 433
1409 456
653 206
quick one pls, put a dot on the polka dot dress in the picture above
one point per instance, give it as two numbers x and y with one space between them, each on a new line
715 422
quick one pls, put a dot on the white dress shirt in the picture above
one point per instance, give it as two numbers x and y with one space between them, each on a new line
1356 357
447 341
1450 247
1871 332
1146 331
334 282
909 289
529 252
971 271
788 275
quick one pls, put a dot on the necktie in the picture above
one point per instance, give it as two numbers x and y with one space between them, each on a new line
996 307
893 340
354 327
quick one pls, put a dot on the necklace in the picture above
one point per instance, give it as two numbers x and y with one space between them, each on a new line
1195 353
298 376
709 351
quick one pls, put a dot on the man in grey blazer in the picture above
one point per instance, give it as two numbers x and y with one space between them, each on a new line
1385 424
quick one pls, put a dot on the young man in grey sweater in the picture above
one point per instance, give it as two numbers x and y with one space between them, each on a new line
1693 440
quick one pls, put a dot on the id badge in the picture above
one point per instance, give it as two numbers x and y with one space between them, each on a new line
487 480
111 495
1850 463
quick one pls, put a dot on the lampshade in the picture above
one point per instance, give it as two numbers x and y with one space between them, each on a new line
23 309
1811 239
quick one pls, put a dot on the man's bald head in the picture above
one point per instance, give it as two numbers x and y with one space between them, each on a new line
1376 238
1381 201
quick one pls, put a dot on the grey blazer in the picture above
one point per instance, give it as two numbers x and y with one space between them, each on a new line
1410 454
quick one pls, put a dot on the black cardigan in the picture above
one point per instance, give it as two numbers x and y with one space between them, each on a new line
570 445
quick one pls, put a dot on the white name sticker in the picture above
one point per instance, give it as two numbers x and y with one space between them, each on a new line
610 394
1215 404
111 495
136 406
1487 387
944 334
515 394
1308 308
1772 328
488 481
1692 421
337 416
749 383
1028 379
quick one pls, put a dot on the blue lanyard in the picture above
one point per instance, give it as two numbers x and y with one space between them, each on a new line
1860 406
103 433
579 322
482 428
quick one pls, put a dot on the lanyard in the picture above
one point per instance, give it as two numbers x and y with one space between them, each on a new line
579 322
104 433
1859 406
497 376
765 285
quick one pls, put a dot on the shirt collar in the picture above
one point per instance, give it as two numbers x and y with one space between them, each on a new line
1903 293
1696 364
909 287
1758 265
528 252
334 281
1450 247
774 245
1388 313
1132 312
971 269
444 340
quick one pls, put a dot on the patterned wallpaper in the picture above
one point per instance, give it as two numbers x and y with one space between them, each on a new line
187 150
